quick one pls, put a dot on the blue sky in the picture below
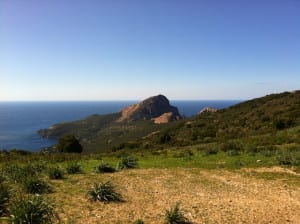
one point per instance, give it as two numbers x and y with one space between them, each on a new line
132 49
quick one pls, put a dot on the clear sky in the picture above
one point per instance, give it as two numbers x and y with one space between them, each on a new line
132 49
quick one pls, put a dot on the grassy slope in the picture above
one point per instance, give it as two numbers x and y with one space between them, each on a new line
263 122
273 119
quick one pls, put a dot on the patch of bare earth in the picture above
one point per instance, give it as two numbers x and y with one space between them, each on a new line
215 196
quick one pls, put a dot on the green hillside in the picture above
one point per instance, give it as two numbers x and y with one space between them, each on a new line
271 115
273 120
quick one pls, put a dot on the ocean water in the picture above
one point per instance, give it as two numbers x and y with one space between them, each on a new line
20 121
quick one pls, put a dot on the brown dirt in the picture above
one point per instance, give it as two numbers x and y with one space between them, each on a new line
216 196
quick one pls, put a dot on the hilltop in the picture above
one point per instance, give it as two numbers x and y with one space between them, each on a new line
101 132
151 108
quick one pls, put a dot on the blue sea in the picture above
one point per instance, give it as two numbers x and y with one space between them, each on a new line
20 121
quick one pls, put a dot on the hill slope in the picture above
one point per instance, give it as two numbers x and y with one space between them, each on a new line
261 121
267 115
100 132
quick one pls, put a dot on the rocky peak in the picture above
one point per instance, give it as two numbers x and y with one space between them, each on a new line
150 108
207 110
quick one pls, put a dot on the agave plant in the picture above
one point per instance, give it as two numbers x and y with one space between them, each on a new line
104 192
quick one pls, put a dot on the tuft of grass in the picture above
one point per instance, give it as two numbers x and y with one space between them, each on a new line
35 185
286 157
4 199
104 168
175 216
55 173
32 209
139 221
15 173
209 151
104 192
73 168
128 162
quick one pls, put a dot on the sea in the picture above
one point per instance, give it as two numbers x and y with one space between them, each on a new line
20 121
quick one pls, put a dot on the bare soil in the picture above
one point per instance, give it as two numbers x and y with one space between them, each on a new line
205 196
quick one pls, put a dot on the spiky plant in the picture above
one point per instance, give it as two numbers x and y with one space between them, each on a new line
104 192
56 173
4 199
34 185
33 209
73 168
127 163
175 216
104 168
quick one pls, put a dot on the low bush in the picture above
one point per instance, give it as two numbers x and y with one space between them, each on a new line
36 186
4 199
232 146
33 209
232 153
55 173
209 151
286 157
175 216
73 168
104 168
104 192
14 173
127 163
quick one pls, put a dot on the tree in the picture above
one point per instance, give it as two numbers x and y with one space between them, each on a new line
69 144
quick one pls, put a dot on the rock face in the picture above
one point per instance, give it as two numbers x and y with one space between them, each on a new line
164 118
157 108
207 110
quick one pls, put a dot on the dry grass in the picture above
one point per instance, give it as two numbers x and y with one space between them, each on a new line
216 196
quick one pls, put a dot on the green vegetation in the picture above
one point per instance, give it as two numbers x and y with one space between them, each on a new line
175 216
104 168
104 192
34 185
139 221
127 162
261 133
4 199
56 173
32 210
73 168
69 144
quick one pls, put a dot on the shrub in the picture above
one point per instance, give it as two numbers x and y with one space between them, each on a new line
56 173
15 173
232 146
4 198
36 186
127 163
104 168
175 216
32 210
232 153
35 168
73 168
104 192
287 157
164 138
69 144
209 151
